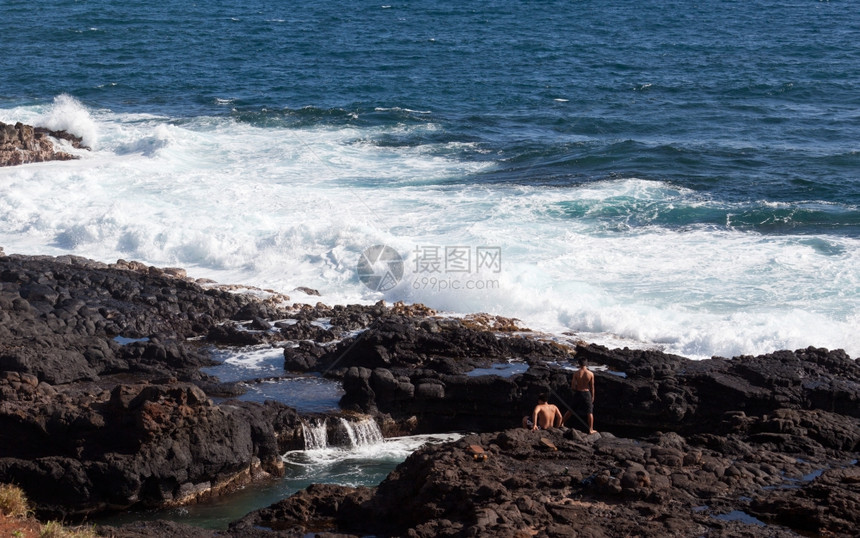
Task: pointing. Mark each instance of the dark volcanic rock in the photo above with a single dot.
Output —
(446, 346)
(145, 529)
(102, 406)
(661, 392)
(59, 319)
(142, 443)
(412, 369)
(773, 437)
(318, 508)
(94, 413)
(22, 144)
(828, 503)
(588, 485)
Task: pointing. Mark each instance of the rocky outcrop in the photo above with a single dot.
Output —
(79, 449)
(101, 405)
(445, 346)
(754, 446)
(414, 371)
(22, 144)
(563, 483)
(651, 390)
(68, 319)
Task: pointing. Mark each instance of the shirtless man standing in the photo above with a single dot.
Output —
(582, 384)
(544, 416)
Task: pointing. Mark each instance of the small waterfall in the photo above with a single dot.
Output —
(315, 435)
(362, 432)
(344, 433)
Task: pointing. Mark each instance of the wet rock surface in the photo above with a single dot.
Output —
(22, 144)
(103, 406)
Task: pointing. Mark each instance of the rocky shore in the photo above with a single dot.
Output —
(22, 144)
(103, 407)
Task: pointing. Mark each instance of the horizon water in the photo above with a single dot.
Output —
(678, 177)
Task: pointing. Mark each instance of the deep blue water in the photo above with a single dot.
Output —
(750, 100)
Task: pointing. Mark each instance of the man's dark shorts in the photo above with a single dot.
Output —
(582, 402)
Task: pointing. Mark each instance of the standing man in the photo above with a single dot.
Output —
(582, 384)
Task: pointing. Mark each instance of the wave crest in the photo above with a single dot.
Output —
(68, 114)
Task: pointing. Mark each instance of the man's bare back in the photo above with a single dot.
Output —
(546, 416)
(583, 379)
(582, 382)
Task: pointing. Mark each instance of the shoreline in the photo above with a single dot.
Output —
(121, 414)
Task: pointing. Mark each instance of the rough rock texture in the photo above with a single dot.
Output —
(596, 485)
(22, 144)
(80, 449)
(101, 405)
(662, 391)
(409, 370)
(752, 446)
(60, 319)
(441, 345)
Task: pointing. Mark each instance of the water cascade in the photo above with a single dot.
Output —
(341, 433)
(315, 435)
(362, 432)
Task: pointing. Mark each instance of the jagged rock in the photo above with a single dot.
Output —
(93, 415)
(22, 144)
(593, 485)
(317, 507)
(135, 444)
(644, 390)
(400, 341)
(60, 319)
(102, 406)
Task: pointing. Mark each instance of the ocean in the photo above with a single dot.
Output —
(660, 174)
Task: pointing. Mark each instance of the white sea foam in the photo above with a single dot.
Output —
(391, 449)
(281, 208)
(258, 359)
(67, 114)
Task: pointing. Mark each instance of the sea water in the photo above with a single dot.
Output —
(668, 175)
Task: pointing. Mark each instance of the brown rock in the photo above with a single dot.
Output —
(22, 144)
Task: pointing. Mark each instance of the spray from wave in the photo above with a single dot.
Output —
(68, 114)
(628, 261)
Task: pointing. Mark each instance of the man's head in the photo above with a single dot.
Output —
(582, 361)
(542, 398)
